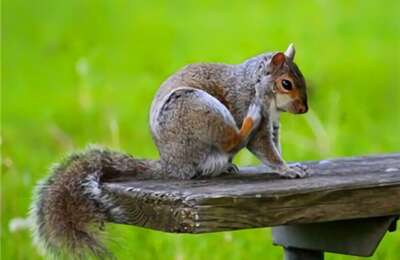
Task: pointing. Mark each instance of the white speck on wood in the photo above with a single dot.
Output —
(324, 162)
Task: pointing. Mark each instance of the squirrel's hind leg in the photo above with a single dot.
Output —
(187, 130)
(196, 134)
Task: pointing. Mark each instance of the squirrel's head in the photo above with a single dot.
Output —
(290, 93)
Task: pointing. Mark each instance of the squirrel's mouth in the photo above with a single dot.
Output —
(297, 107)
(294, 108)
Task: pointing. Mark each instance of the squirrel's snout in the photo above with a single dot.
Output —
(300, 107)
(303, 109)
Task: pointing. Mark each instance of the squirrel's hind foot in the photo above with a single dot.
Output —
(231, 168)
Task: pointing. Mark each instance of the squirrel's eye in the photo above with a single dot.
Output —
(287, 85)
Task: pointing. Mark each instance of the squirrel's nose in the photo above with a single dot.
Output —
(301, 107)
(304, 109)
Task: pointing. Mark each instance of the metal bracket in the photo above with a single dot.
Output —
(359, 237)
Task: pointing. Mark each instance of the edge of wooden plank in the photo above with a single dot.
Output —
(181, 212)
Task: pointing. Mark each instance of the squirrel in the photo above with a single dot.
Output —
(200, 118)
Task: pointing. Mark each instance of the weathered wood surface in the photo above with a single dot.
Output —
(338, 189)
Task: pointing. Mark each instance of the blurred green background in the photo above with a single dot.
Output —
(84, 71)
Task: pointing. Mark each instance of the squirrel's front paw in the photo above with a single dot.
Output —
(294, 171)
(301, 167)
(254, 113)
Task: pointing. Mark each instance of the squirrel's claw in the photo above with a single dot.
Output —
(301, 167)
(294, 171)
(231, 168)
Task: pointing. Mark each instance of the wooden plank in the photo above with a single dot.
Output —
(338, 189)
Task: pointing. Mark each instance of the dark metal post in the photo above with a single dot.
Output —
(358, 237)
(292, 253)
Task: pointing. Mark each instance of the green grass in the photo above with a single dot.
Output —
(84, 71)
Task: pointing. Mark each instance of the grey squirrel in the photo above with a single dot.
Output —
(200, 118)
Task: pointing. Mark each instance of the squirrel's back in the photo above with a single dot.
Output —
(213, 78)
(219, 80)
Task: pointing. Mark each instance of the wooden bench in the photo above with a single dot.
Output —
(345, 206)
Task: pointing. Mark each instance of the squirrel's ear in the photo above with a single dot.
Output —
(290, 51)
(278, 59)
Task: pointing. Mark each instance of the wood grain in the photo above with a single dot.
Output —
(338, 189)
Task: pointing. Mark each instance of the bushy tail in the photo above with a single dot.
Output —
(70, 208)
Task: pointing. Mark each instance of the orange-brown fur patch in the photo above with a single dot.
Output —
(246, 127)
(231, 139)
(294, 94)
(234, 138)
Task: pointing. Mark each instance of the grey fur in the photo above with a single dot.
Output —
(196, 121)
(69, 209)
